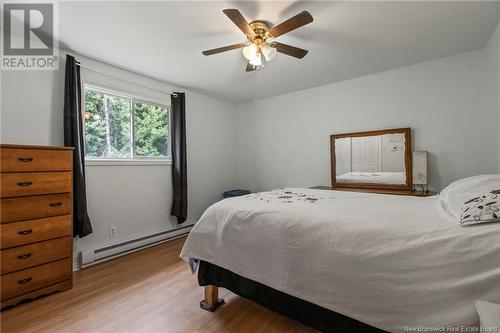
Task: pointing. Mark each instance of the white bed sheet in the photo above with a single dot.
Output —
(373, 177)
(388, 261)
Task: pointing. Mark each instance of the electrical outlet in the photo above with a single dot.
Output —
(112, 231)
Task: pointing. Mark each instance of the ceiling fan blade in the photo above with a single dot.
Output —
(238, 19)
(293, 23)
(250, 67)
(223, 49)
(290, 50)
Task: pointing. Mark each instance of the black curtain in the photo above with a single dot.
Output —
(73, 137)
(179, 160)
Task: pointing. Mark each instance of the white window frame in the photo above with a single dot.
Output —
(134, 159)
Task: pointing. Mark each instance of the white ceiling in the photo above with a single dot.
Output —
(164, 40)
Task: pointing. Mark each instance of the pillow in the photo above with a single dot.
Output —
(454, 196)
(482, 209)
(489, 313)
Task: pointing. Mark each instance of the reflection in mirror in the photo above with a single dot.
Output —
(378, 159)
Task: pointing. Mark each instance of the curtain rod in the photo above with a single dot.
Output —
(125, 80)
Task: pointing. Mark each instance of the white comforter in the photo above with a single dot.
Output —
(388, 261)
(373, 177)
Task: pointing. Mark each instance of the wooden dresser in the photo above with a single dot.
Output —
(35, 220)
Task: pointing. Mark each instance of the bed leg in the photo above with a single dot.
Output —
(212, 300)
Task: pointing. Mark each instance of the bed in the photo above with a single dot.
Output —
(372, 177)
(370, 261)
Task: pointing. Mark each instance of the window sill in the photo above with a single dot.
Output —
(128, 162)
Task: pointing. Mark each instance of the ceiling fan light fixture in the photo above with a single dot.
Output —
(268, 52)
(258, 34)
(257, 60)
(250, 51)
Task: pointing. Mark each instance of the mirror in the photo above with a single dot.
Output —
(375, 159)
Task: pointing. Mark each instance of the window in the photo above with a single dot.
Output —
(124, 127)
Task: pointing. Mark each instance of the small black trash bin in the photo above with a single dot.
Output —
(235, 193)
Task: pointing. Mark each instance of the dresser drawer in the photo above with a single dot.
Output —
(27, 159)
(19, 209)
(34, 183)
(30, 279)
(22, 257)
(26, 232)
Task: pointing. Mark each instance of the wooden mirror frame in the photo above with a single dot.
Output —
(369, 186)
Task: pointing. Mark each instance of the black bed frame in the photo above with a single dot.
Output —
(295, 308)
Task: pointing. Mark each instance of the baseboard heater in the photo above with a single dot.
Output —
(95, 256)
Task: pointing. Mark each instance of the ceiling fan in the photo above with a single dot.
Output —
(259, 33)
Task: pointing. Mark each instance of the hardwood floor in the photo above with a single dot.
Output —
(147, 291)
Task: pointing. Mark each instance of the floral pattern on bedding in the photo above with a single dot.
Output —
(285, 196)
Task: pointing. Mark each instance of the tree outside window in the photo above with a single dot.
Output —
(122, 127)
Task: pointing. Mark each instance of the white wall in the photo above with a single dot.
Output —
(493, 56)
(392, 160)
(284, 140)
(136, 199)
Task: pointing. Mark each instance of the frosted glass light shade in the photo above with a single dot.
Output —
(269, 52)
(250, 51)
(257, 60)
(420, 168)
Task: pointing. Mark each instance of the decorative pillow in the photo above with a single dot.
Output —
(452, 198)
(482, 209)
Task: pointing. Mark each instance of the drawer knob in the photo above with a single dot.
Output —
(55, 204)
(25, 159)
(24, 256)
(23, 184)
(25, 232)
(24, 281)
